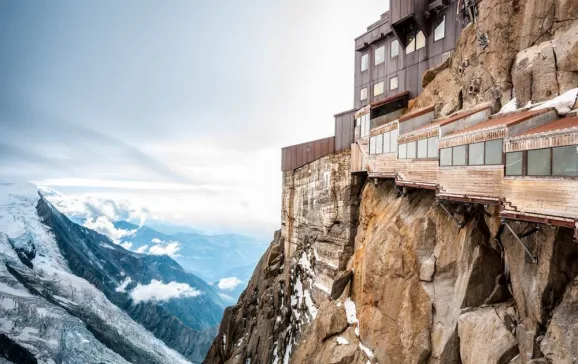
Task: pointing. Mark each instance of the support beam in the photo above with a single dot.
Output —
(534, 259)
(458, 223)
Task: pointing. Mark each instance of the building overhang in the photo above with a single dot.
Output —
(410, 24)
(389, 105)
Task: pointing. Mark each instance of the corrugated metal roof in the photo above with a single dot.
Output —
(452, 118)
(556, 125)
(508, 120)
(416, 113)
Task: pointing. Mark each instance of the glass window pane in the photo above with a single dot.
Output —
(367, 124)
(363, 94)
(393, 140)
(514, 164)
(402, 153)
(446, 157)
(459, 155)
(379, 144)
(565, 161)
(378, 89)
(539, 162)
(364, 62)
(494, 151)
(411, 150)
(440, 30)
(422, 148)
(476, 154)
(393, 83)
(432, 147)
(410, 43)
(372, 145)
(420, 40)
(394, 48)
(380, 55)
(386, 143)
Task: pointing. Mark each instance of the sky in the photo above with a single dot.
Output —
(180, 107)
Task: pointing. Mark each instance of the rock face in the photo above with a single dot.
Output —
(413, 286)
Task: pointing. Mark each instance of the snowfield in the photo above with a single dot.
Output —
(49, 311)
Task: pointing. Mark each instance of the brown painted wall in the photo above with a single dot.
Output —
(298, 155)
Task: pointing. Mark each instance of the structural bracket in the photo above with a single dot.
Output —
(519, 239)
(458, 223)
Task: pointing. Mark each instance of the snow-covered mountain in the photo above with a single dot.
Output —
(71, 295)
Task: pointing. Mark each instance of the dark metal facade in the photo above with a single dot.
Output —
(408, 68)
(344, 130)
(299, 155)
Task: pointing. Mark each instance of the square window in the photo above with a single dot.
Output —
(565, 161)
(394, 51)
(494, 154)
(380, 55)
(440, 29)
(411, 150)
(459, 155)
(422, 148)
(432, 147)
(410, 41)
(393, 83)
(539, 162)
(402, 152)
(393, 147)
(446, 157)
(378, 88)
(363, 94)
(476, 154)
(419, 40)
(387, 143)
(364, 62)
(514, 164)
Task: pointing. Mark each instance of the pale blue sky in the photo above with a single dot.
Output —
(181, 106)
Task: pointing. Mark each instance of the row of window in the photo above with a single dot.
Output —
(420, 149)
(378, 88)
(560, 161)
(475, 154)
(415, 41)
(383, 143)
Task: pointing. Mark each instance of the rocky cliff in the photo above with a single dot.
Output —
(363, 273)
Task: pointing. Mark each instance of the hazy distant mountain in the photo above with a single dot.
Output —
(212, 257)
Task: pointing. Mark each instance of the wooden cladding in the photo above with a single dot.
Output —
(480, 136)
(533, 142)
(344, 130)
(299, 155)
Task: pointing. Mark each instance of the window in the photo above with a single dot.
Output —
(459, 155)
(393, 83)
(494, 152)
(364, 125)
(380, 55)
(393, 147)
(419, 40)
(422, 148)
(394, 52)
(387, 143)
(364, 62)
(378, 88)
(402, 151)
(440, 29)
(539, 162)
(476, 154)
(411, 150)
(432, 147)
(446, 157)
(372, 145)
(410, 41)
(363, 94)
(379, 144)
(565, 161)
(514, 164)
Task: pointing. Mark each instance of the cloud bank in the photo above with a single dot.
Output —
(159, 291)
(229, 283)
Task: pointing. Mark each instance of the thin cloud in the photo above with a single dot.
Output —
(159, 291)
